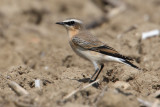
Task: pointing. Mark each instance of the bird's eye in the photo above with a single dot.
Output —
(72, 22)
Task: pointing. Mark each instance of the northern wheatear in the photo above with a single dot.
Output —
(89, 47)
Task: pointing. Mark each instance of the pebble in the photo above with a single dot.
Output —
(122, 84)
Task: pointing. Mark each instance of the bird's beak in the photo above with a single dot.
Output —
(60, 23)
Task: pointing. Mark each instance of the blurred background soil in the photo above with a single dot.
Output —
(33, 47)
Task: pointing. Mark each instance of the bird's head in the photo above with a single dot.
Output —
(72, 24)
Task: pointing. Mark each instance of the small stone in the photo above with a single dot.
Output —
(46, 67)
(122, 84)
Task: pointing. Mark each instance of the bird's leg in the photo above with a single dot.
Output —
(94, 74)
(99, 71)
(96, 70)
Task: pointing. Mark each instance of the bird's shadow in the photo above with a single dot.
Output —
(85, 80)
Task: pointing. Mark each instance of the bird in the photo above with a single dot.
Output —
(91, 48)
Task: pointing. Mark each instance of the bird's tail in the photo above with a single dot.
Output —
(130, 64)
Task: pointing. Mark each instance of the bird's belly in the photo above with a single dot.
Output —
(90, 55)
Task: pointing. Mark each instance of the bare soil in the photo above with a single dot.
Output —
(33, 47)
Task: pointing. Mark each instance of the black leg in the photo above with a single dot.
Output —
(94, 74)
(102, 65)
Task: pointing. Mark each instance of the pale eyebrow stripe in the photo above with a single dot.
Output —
(73, 20)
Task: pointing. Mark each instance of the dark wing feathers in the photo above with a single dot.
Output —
(132, 65)
(109, 51)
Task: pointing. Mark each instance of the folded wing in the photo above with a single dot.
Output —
(98, 46)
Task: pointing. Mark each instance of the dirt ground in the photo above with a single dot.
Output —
(33, 47)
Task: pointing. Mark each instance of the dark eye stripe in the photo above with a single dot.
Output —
(70, 23)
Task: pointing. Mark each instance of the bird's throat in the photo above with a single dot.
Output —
(72, 33)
